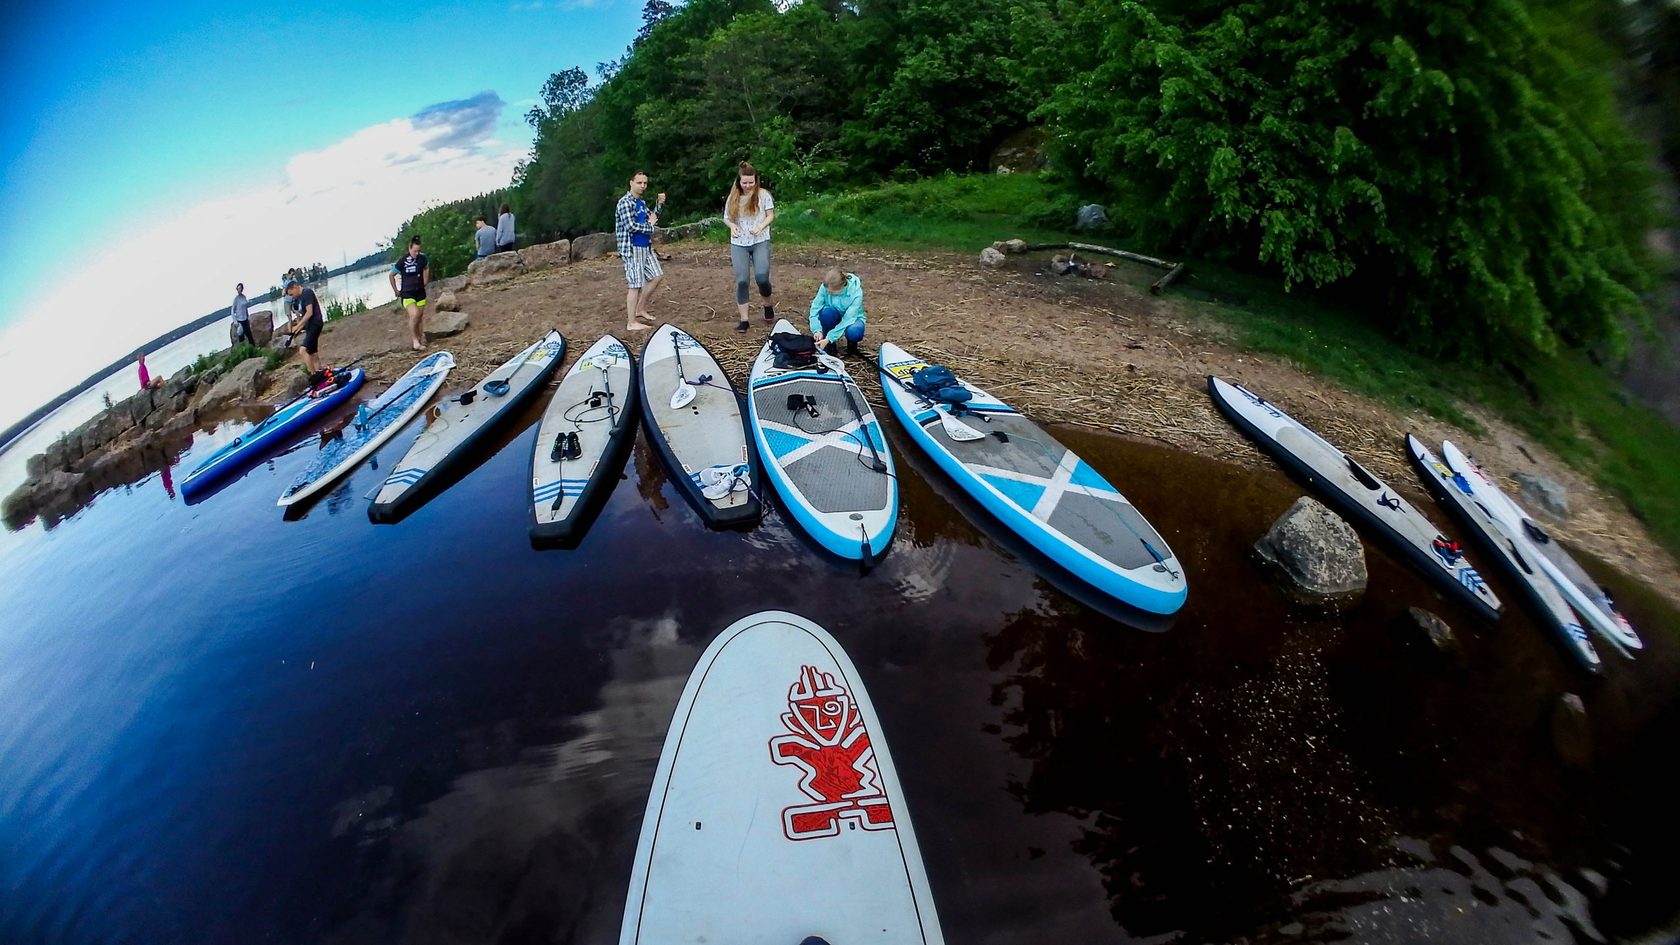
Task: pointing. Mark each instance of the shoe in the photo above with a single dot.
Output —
(769, 313)
(851, 348)
(742, 326)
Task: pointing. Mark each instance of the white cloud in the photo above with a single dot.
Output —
(328, 204)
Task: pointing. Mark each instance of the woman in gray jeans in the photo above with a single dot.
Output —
(749, 212)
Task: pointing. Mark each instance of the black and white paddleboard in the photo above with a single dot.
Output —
(1356, 493)
(581, 440)
(776, 813)
(1520, 566)
(455, 425)
(695, 421)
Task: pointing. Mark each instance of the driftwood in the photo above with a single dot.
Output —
(1175, 270)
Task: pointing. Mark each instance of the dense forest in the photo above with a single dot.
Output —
(1471, 174)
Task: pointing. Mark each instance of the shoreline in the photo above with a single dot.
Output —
(1095, 353)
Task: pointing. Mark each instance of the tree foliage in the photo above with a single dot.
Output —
(446, 232)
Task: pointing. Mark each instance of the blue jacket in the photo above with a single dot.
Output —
(848, 300)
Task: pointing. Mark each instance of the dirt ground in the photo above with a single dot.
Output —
(1098, 353)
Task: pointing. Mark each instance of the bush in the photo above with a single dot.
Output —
(344, 308)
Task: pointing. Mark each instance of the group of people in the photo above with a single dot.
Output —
(836, 312)
(489, 240)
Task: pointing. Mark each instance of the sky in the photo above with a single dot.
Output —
(152, 156)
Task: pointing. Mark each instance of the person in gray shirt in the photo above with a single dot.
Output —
(504, 230)
(485, 238)
(241, 316)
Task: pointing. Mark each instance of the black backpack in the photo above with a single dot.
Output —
(793, 350)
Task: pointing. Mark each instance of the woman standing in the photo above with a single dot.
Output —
(749, 211)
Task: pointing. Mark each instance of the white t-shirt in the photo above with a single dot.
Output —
(750, 221)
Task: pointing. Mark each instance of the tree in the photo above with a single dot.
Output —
(564, 92)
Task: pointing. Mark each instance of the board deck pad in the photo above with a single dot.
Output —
(776, 812)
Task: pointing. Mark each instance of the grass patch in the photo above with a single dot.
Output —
(344, 308)
(244, 351)
(1565, 403)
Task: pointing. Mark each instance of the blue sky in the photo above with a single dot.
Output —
(176, 138)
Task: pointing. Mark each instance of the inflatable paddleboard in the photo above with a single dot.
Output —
(581, 440)
(1521, 567)
(454, 426)
(1356, 493)
(694, 419)
(375, 423)
(1039, 488)
(776, 812)
(823, 449)
(274, 431)
(1584, 594)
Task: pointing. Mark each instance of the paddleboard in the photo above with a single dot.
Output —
(1356, 493)
(455, 425)
(375, 423)
(1584, 594)
(822, 448)
(693, 417)
(274, 431)
(776, 812)
(595, 404)
(1521, 567)
(1039, 488)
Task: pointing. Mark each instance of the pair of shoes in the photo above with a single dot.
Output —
(742, 326)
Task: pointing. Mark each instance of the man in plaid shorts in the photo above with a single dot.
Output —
(633, 225)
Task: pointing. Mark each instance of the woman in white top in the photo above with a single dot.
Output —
(749, 212)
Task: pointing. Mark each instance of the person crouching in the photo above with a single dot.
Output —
(837, 311)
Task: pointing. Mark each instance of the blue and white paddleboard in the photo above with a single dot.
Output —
(822, 448)
(776, 812)
(584, 432)
(1356, 493)
(375, 423)
(1584, 594)
(1040, 489)
(270, 434)
(1521, 566)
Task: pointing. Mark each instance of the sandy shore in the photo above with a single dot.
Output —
(1098, 353)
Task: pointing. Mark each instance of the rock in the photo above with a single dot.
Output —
(296, 383)
(493, 269)
(1092, 216)
(1014, 246)
(444, 324)
(809, 213)
(1572, 732)
(1060, 264)
(182, 380)
(547, 255)
(991, 258)
(240, 384)
(593, 245)
(35, 466)
(1544, 494)
(1002, 170)
(1021, 151)
(1317, 552)
(262, 327)
(444, 301)
(138, 406)
(451, 284)
(180, 425)
(1426, 631)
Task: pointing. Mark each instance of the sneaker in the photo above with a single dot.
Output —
(769, 313)
(851, 348)
(742, 326)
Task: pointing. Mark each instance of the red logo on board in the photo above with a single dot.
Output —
(829, 746)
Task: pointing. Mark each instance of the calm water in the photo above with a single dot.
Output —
(221, 726)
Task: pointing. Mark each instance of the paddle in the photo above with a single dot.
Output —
(497, 386)
(954, 428)
(839, 367)
(684, 394)
(262, 424)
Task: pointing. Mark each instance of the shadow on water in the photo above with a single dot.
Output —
(432, 733)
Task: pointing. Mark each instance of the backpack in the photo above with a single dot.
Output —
(793, 350)
(936, 382)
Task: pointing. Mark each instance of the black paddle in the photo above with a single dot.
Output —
(868, 440)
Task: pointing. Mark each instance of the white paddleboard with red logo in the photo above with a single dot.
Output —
(776, 813)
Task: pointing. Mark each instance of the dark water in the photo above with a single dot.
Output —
(219, 726)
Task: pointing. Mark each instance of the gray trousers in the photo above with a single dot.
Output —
(757, 257)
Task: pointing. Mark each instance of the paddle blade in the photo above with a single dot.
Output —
(958, 430)
(682, 396)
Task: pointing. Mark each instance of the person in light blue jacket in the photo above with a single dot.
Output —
(837, 311)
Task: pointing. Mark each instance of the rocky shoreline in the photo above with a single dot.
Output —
(1100, 353)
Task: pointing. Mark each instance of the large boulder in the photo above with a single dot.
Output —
(1092, 216)
(493, 269)
(991, 258)
(444, 324)
(239, 384)
(593, 245)
(1317, 554)
(547, 255)
(1545, 494)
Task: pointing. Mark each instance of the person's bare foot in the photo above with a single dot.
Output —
(646, 317)
(636, 326)
(417, 346)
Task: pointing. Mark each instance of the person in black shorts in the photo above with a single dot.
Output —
(309, 322)
(413, 271)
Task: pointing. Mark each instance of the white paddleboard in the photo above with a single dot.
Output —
(776, 812)
(581, 438)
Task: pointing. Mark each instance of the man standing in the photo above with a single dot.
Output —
(504, 230)
(241, 316)
(633, 225)
(309, 321)
(414, 271)
(484, 237)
